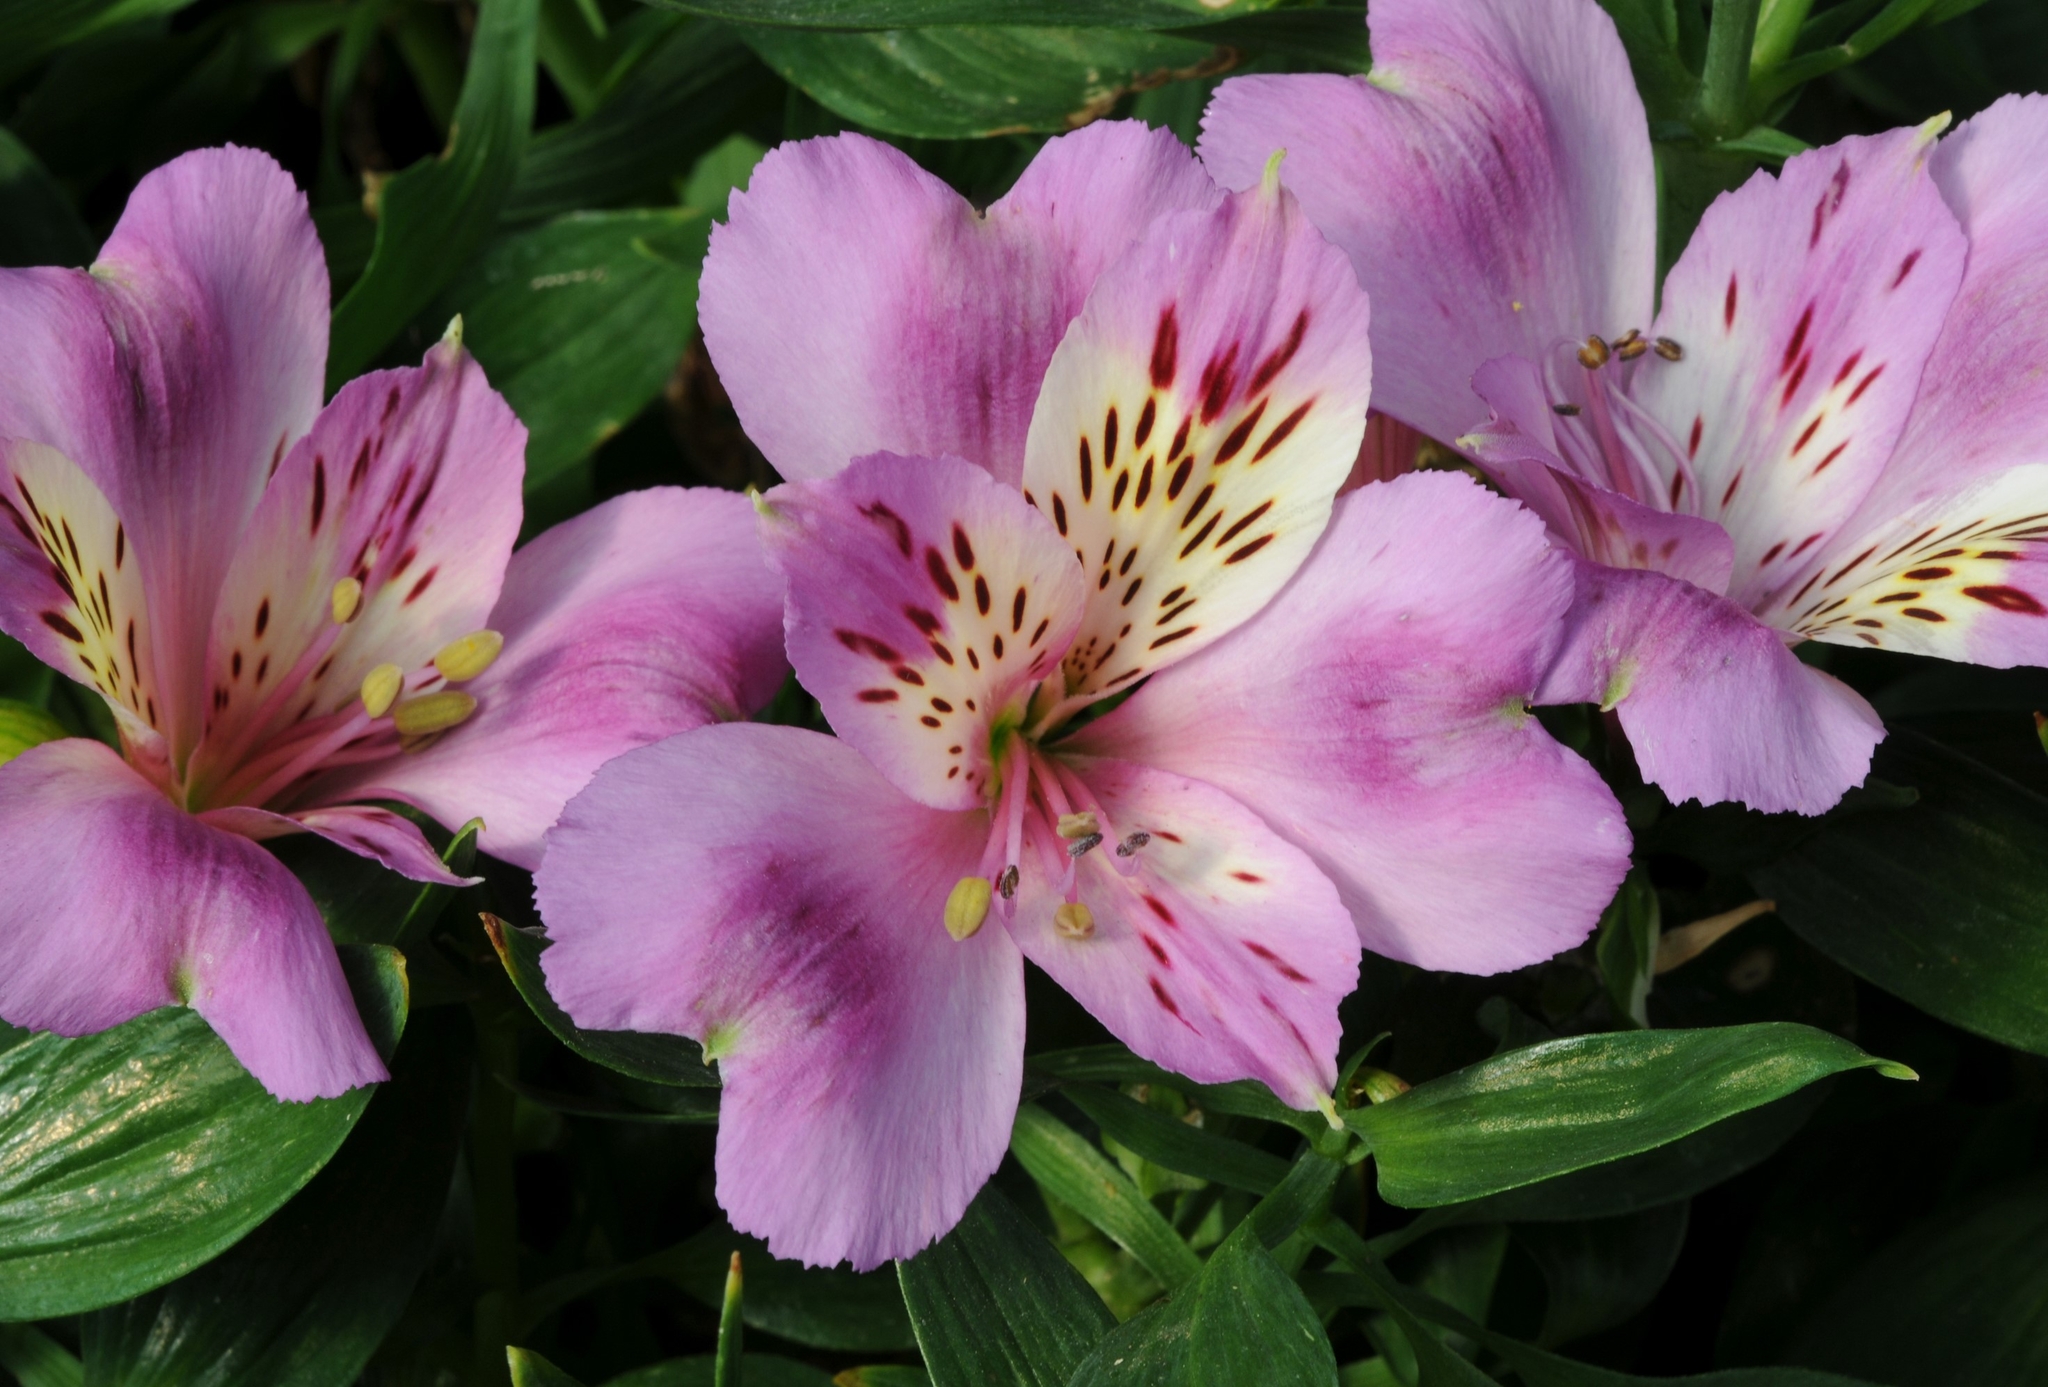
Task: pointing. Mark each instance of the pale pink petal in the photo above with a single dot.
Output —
(785, 905)
(386, 838)
(409, 486)
(118, 902)
(855, 304)
(70, 590)
(648, 615)
(1374, 716)
(1715, 706)
(1195, 425)
(1222, 956)
(1491, 181)
(1519, 450)
(1805, 306)
(926, 601)
(176, 373)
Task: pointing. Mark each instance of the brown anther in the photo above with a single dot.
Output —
(1593, 355)
(1632, 335)
(1568, 411)
(1006, 884)
(1081, 847)
(1669, 349)
(1630, 350)
(1130, 845)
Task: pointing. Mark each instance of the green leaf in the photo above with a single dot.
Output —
(1242, 1323)
(434, 215)
(1627, 947)
(307, 1297)
(1600, 1272)
(1960, 1301)
(1944, 904)
(968, 82)
(363, 904)
(823, 1307)
(29, 29)
(660, 119)
(660, 1059)
(1530, 1114)
(1170, 1142)
(883, 1375)
(1115, 1064)
(1081, 1177)
(529, 1369)
(908, 14)
(37, 1360)
(1327, 38)
(762, 1370)
(23, 725)
(129, 1157)
(38, 225)
(995, 1305)
(579, 322)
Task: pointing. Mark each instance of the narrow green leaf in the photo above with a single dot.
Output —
(38, 225)
(1241, 1323)
(23, 725)
(1084, 1179)
(37, 1360)
(1329, 37)
(1115, 1064)
(762, 1370)
(725, 1371)
(306, 1298)
(31, 29)
(1533, 1113)
(1170, 1142)
(995, 1305)
(661, 1059)
(1601, 1271)
(129, 1157)
(969, 82)
(529, 1369)
(579, 322)
(1944, 904)
(433, 215)
(910, 14)
(1627, 947)
(883, 1375)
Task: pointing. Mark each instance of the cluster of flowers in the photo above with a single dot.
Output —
(1131, 675)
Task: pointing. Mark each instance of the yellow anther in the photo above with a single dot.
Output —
(1074, 920)
(345, 599)
(1078, 825)
(967, 906)
(381, 687)
(469, 656)
(434, 712)
(1593, 355)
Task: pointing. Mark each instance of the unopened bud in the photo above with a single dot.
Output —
(1074, 921)
(1377, 1085)
(967, 906)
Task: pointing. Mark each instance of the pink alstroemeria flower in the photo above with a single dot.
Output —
(1828, 431)
(293, 610)
(1039, 457)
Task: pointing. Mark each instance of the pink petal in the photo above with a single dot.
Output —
(1195, 425)
(1806, 305)
(1390, 450)
(926, 601)
(1518, 448)
(120, 903)
(649, 615)
(1223, 956)
(408, 484)
(70, 590)
(785, 905)
(392, 840)
(1714, 704)
(1373, 716)
(176, 373)
(856, 304)
(1491, 181)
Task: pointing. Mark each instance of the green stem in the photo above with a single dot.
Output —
(496, 1201)
(1777, 32)
(1724, 86)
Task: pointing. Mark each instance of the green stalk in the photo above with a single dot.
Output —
(725, 1371)
(1777, 32)
(1724, 85)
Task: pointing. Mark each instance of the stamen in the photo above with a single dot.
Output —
(1565, 411)
(381, 687)
(467, 657)
(345, 599)
(967, 906)
(1129, 846)
(1078, 825)
(1006, 884)
(1593, 355)
(1631, 349)
(1074, 921)
(1669, 349)
(434, 712)
(1083, 847)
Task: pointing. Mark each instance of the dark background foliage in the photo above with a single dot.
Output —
(549, 169)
